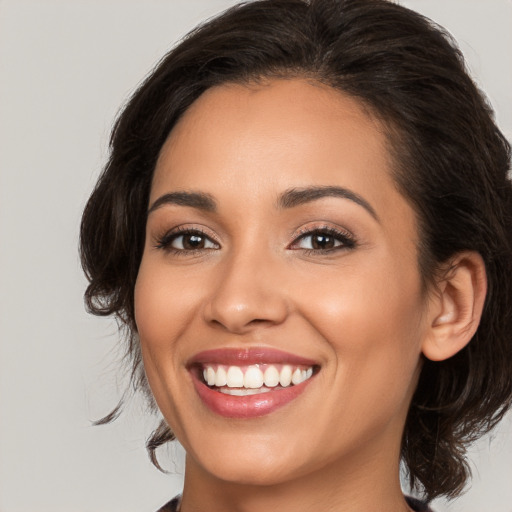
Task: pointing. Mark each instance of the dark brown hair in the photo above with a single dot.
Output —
(450, 162)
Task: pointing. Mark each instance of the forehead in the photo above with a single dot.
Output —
(265, 138)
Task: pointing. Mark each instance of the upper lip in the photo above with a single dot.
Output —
(248, 356)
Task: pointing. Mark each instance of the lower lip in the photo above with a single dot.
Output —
(251, 406)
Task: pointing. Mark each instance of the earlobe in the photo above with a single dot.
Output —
(457, 307)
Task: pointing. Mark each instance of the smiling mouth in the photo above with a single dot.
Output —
(249, 382)
(255, 378)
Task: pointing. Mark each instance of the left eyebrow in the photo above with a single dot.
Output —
(298, 196)
(197, 200)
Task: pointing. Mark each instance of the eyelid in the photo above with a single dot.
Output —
(163, 241)
(346, 237)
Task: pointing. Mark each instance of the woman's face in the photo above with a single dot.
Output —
(278, 247)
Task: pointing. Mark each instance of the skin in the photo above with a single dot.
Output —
(359, 310)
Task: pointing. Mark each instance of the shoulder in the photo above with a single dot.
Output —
(171, 506)
(417, 506)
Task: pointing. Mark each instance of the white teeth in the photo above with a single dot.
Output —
(235, 377)
(220, 377)
(210, 376)
(285, 378)
(271, 377)
(243, 391)
(252, 379)
(296, 377)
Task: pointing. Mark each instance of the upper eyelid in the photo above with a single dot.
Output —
(167, 236)
(297, 234)
(186, 228)
(307, 231)
(346, 237)
(185, 232)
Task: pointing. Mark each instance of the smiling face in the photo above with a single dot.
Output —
(279, 248)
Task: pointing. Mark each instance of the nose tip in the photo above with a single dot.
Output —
(240, 318)
(243, 300)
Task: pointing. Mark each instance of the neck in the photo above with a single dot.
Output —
(368, 483)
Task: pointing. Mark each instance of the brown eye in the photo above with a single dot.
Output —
(324, 240)
(191, 242)
(187, 241)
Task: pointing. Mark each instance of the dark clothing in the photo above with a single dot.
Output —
(172, 506)
(415, 504)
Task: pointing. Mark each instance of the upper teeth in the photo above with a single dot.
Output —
(255, 376)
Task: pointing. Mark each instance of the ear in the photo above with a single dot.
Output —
(457, 306)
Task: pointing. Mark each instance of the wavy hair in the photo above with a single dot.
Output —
(450, 160)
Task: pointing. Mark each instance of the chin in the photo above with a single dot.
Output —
(250, 463)
(251, 473)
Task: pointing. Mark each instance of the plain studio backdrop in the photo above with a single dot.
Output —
(65, 69)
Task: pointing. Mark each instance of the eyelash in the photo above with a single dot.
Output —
(164, 242)
(347, 240)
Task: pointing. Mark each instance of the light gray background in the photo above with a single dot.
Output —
(65, 68)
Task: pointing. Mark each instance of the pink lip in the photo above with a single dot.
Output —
(251, 406)
(253, 355)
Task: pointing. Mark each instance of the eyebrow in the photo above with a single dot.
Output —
(288, 199)
(198, 200)
(298, 196)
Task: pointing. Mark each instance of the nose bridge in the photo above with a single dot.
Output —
(247, 290)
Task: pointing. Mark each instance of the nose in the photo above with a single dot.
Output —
(247, 293)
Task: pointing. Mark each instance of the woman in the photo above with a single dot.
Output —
(306, 226)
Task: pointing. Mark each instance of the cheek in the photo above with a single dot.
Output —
(374, 334)
(151, 299)
(371, 319)
(163, 312)
(163, 306)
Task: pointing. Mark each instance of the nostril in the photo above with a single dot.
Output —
(238, 308)
(241, 327)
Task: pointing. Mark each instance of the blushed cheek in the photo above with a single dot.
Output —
(165, 306)
(146, 307)
(357, 315)
(154, 306)
(156, 339)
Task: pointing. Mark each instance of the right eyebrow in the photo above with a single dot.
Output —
(296, 196)
(197, 200)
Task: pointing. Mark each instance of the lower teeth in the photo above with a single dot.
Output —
(245, 391)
